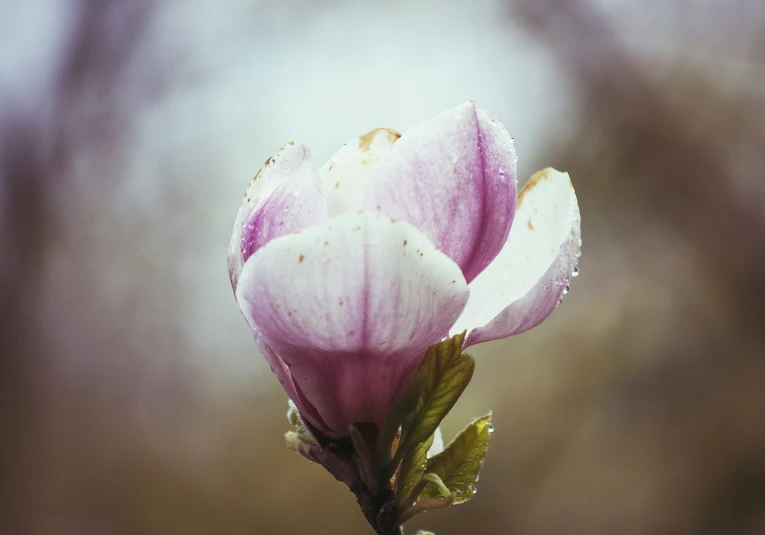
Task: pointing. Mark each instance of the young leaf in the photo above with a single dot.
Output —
(443, 375)
(459, 464)
(295, 419)
(412, 469)
(426, 504)
(389, 434)
(299, 445)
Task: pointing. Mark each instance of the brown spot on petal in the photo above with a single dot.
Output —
(331, 166)
(352, 333)
(544, 174)
(326, 243)
(531, 227)
(289, 313)
(365, 141)
(341, 302)
(337, 184)
(291, 143)
(405, 242)
(301, 258)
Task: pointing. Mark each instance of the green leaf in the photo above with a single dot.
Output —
(426, 504)
(459, 464)
(412, 469)
(403, 404)
(442, 377)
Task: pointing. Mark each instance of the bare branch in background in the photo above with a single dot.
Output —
(660, 150)
(668, 137)
(34, 159)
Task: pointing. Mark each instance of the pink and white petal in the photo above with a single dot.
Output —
(282, 373)
(530, 275)
(454, 178)
(344, 176)
(284, 197)
(351, 305)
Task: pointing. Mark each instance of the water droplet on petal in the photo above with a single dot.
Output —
(491, 429)
(566, 290)
(575, 273)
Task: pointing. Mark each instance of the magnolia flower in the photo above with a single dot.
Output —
(348, 273)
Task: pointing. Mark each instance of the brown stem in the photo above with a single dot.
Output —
(378, 508)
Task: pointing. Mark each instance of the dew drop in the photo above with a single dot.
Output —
(491, 429)
(575, 273)
(566, 290)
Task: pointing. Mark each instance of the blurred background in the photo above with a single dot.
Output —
(133, 400)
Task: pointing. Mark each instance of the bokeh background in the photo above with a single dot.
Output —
(133, 398)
